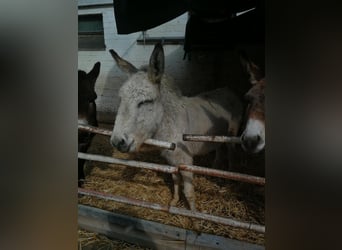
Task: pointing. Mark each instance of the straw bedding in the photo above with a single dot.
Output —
(215, 196)
(94, 241)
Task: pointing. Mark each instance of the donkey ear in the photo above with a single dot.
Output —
(94, 73)
(156, 66)
(124, 65)
(244, 59)
(253, 70)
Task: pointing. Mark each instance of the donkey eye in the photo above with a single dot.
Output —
(144, 102)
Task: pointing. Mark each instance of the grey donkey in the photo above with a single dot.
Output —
(152, 106)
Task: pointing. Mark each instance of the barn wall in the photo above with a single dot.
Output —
(205, 70)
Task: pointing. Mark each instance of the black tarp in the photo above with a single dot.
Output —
(138, 15)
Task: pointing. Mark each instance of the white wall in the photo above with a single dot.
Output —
(205, 71)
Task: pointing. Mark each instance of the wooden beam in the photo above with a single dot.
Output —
(152, 234)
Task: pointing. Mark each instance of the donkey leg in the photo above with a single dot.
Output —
(221, 158)
(230, 153)
(175, 158)
(189, 191)
(170, 156)
(233, 131)
(176, 181)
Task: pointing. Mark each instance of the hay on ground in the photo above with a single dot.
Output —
(214, 196)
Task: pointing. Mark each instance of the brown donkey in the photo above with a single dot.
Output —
(253, 137)
(86, 112)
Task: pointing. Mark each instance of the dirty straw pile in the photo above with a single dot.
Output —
(215, 196)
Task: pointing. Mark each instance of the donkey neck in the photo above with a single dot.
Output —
(173, 105)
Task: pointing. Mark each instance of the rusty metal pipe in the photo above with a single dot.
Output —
(152, 142)
(211, 138)
(161, 144)
(171, 169)
(223, 174)
(217, 219)
(175, 210)
(130, 163)
(123, 199)
(94, 130)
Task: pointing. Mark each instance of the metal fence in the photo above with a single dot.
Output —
(173, 169)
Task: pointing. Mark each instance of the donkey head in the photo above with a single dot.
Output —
(87, 95)
(253, 137)
(140, 111)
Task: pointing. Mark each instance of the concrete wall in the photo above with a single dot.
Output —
(205, 71)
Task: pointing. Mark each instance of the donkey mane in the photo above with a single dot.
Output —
(167, 83)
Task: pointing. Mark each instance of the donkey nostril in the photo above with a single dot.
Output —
(258, 138)
(122, 142)
(117, 142)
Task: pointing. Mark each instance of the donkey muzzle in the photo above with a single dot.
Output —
(250, 143)
(121, 143)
